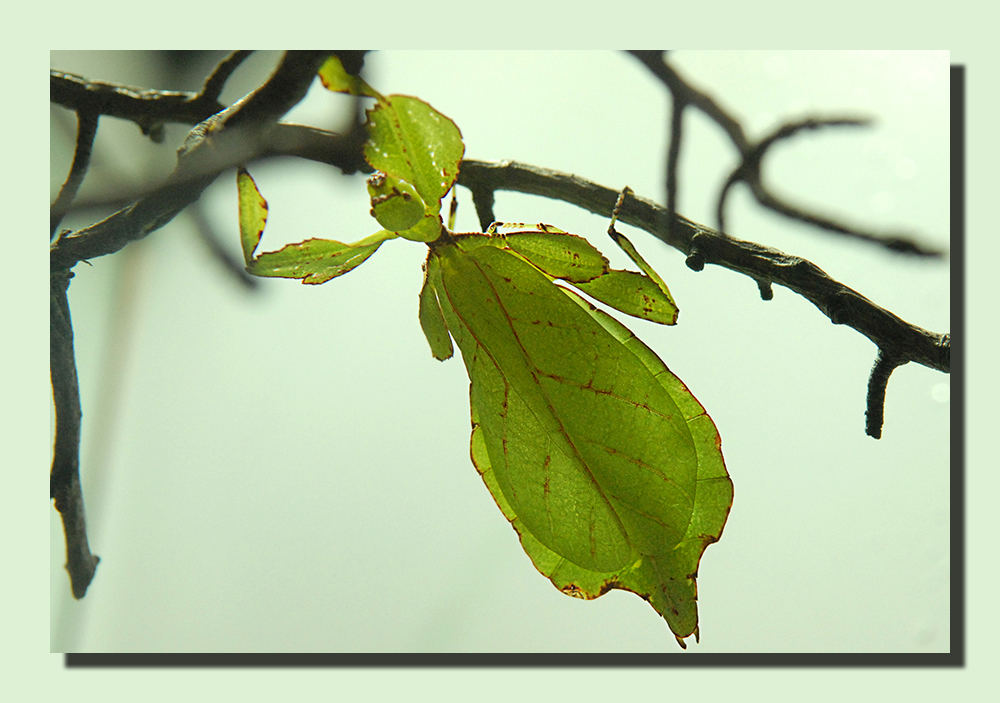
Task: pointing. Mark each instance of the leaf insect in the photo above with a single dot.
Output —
(608, 468)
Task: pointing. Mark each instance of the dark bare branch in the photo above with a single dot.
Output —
(877, 382)
(85, 132)
(227, 139)
(837, 301)
(198, 164)
(751, 153)
(216, 80)
(64, 479)
(143, 106)
(673, 156)
(678, 87)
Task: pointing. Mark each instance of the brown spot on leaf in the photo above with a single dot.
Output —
(609, 585)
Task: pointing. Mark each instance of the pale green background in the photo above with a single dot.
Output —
(289, 471)
(965, 27)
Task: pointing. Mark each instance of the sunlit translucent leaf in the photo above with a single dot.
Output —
(335, 78)
(601, 459)
(411, 141)
(252, 213)
(317, 260)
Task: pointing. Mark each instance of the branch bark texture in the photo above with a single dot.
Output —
(751, 153)
(64, 480)
(843, 305)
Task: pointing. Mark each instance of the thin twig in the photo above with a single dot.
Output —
(286, 86)
(750, 173)
(877, 382)
(483, 200)
(673, 156)
(748, 170)
(64, 480)
(285, 140)
(86, 130)
(214, 145)
(146, 107)
(211, 89)
(653, 60)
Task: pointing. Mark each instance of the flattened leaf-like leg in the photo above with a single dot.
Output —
(632, 293)
(317, 260)
(623, 242)
(431, 320)
(252, 213)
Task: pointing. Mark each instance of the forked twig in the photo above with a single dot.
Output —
(751, 153)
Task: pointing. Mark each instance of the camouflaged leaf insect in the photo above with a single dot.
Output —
(605, 464)
(599, 457)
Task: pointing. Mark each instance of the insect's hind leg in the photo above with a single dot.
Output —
(625, 245)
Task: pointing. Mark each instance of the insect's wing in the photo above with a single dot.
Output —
(667, 581)
(596, 453)
(588, 449)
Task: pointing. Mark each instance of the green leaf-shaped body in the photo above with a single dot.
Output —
(591, 448)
